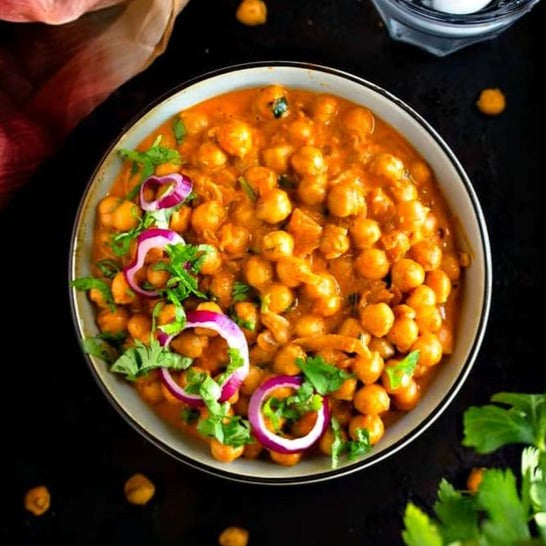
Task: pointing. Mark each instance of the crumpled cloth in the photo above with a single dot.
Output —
(52, 76)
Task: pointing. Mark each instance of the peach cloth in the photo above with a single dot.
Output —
(51, 76)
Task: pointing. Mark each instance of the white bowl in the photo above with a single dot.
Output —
(456, 188)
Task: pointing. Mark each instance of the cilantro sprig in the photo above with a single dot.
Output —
(279, 107)
(242, 292)
(179, 130)
(405, 367)
(498, 514)
(324, 377)
(353, 448)
(89, 283)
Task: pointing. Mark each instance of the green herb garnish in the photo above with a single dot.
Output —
(324, 377)
(241, 292)
(179, 130)
(279, 107)
(245, 186)
(89, 283)
(121, 242)
(190, 415)
(404, 368)
(108, 268)
(353, 448)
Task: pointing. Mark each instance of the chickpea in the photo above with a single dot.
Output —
(324, 108)
(113, 322)
(149, 388)
(310, 326)
(422, 295)
(251, 13)
(304, 424)
(278, 157)
(284, 362)
(97, 297)
(372, 263)
(235, 137)
(121, 291)
(372, 400)
(430, 349)
(451, 266)
(139, 327)
(234, 239)
(312, 189)
(258, 272)
(156, 275)
(293, 271)
(308, 161)
(404, 311)
(261, 179)
(253, 450)
(38, 500)
(328, 307)
(382, 346)
(430, 226)
(327, 440)
(403, 333)
(139, 489)
(388, 166)
(492, 102)
(420, 172)
(277, 298)
(404, 191)
(180, 219)
(236, 536)
(253, 380)
(321, 286)
(346, 391)
(445, 336)
(475, 479)
(381, 206)
(429, 318)
(377, 318)
(224, 453)
(372, 423)
(106, 208)
(300, 132)
(427, 253)
(285, 459)
(190, 344)
(346, 199)
(212, 261)
(407, 398)
(350, 327)
(368, 368)
(411, 215)
(396, 243)
(274, 206)
(210, 155)
(365, 232)
(407, 274)
(359, 121)
(248, 314)
(167, 314)
(277, 245)
(265, 100)
(126, 216)
(440, 283)
(208, 216)
(194, 122)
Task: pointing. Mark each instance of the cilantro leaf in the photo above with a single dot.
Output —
(190, 415)
(360, 446)
(100, 348)
(489, 427)
(108, 268)
(353, 448)
(498, 497)
(404, 367)
(338, 445)
(241, 292)
(179, 321)
(121, 242)
(247, 188)
(457, 514)
(324, 377)
(420, 529)
(179, 130)
(141, 359)
(533, 486)
(279, 107)
(89, 283)
(228, 430)
(235, 362)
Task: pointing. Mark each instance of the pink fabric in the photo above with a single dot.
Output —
(53, 76)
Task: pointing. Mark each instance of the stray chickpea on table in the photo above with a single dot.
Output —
(252, 13)
(37, 500)
(139, 489)
(233, 536)
(492, 102)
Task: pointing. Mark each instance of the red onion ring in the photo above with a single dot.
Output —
(235, 340)
(271, 440)
(148, 239)
(181, 188)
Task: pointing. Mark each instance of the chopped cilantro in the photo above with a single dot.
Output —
(241, 292)
(245, 186)
(100, 348)
(179, 130)
(90, 283)
(324, 377)
(353, 448)
(279, 107)
(121, 242)
(403, 368)
(190, 415)
(108, 268)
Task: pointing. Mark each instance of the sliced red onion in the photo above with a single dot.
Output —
(235, 340)
(148, 239)
(271, 440)
(181, 188)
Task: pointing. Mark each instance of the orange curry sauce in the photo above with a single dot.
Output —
(343, 237)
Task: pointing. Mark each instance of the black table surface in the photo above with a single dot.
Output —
(58, 428)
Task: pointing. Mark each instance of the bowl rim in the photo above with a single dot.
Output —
(450, 394)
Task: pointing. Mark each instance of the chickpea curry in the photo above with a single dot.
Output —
(277, 273)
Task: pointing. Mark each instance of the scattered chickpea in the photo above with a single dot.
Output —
(139, 489)
(492, 102)
(233, 536)
(377, 318)
(475, 479)
(274, 206)
(37, 500)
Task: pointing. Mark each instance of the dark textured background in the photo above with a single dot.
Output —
(58, 428)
